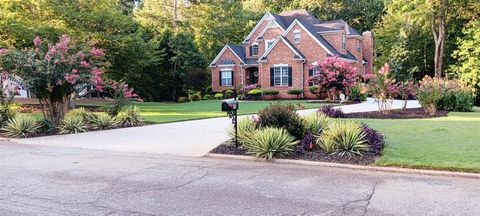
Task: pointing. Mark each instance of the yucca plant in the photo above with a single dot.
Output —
(103, 121)
(130, 117)
(73, 124)
(21, 126)
(344, 138)
(245, 129)
(315, 123)
(270, 143)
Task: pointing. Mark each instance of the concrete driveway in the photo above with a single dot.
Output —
(189, 138)
(42, 180)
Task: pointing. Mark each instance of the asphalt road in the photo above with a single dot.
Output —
(43, 180)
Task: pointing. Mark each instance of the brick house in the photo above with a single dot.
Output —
(278, 52)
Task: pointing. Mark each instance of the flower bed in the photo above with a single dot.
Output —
(417, 113)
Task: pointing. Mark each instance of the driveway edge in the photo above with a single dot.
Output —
(353, 167)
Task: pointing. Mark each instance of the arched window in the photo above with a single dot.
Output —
(254, 49)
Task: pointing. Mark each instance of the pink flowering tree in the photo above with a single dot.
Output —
(53, 70)
(406, 90)
(334, 75)
(383, 89)
(121, 94)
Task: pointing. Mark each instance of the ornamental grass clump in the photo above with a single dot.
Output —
(103, 121)
(245, 129)
(315, 123)
(269, 143)
(344, 138)
(21, 126)
(73, 124)
(130, 117)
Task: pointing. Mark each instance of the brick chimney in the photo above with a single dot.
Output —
(368, 50)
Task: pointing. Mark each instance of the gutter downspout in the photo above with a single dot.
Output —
(302, 78)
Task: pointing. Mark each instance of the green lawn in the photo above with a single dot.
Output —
(173, 112)
(447, 143)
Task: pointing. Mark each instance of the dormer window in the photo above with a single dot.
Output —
(268, 44)
(296, 36)
(255, 49)
(344, 41)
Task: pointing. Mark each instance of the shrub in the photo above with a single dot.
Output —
(331, 112)
(406, 90)
(21, 126)
(218, 96)
(459, 100)
(130, 117)
(207, 97)
(345, 137)
(182, 99)
(73, 124)
(358, 92)
(282, 116)
(255, 92)
(270, 143)
(429, 94)
(122, 95)
(80, 112)
(314, 90)
(194, 96)
(228, 93)
(271, 92)
(295, 92)
(208, 90)
(374, 139)
(245, 129)
(307, 144)
(315, 123)
(102, 121)
(247, 88)
(383, 89)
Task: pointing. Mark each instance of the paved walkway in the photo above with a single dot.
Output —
(189, 138)
(41, 180)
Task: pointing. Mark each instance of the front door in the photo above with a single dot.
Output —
(253, 78)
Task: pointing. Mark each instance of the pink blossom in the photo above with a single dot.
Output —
(97, 53)
(3, 51)
(81, 56)
(62, 46)
(97, 79)
(37, 41)
(72, 78)
(84, 64)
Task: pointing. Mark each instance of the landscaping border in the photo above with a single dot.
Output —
(353, 167)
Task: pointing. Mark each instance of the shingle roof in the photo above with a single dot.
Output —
(227, 62)
(239, 50)
(301, 15)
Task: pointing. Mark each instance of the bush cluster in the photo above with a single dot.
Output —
(331, 112)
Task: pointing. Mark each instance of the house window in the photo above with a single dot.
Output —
(227, 78)
(268, 44)
(296, 36)
(280, 76)
(344, 41)
(254, 49)
(312, 72)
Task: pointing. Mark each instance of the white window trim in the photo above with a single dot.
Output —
(296, 33)
(231, 72)
(281, 67)
(266, 44)
(258, 47)
(344, 42)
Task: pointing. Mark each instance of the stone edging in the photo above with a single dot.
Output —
(355, 167)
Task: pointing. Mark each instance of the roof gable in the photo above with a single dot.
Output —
(298, 55)
(312, 33)
(267, 16)
(269, 26)
(238, 51)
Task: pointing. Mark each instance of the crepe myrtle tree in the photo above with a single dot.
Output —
(52, 71)
(334, 74)
(122, 95)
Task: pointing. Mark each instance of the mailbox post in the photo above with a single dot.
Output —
(231, 108)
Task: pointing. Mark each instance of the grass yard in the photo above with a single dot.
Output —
(447, 143)
(173, 112)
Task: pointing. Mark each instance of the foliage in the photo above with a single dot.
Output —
(296, 92)
(429, 94)
(383, 89)
(406, 90)
(122, 95)
(218, 96)
(194, 96)
(282, 116)
(308, 143)
(182, 100)
(255, 92)
(228, 93)
(73, 124)
(52, 72)
(247, 88)
(130, 117)
(344, 138)
(102, 121)
(331, 112)
(456, 97)
(374, 139)
(270, 143)
(315, 123)
(271, 92)
(245, 129)
(45, 126)
(208, 90)
(207, 97)
(314, 90)
(80, 112)
(21, 126)
(358, 92)
(335, 74)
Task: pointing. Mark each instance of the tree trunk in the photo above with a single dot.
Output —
(438, 31)
(175, 17)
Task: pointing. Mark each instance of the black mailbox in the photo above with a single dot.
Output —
(229, 106)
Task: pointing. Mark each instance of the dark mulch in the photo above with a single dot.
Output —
(315, 155)
(417, 113)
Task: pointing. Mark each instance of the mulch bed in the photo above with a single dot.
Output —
(417, 113)
(315, 155)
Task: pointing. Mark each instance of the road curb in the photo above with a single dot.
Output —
(353, 167)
